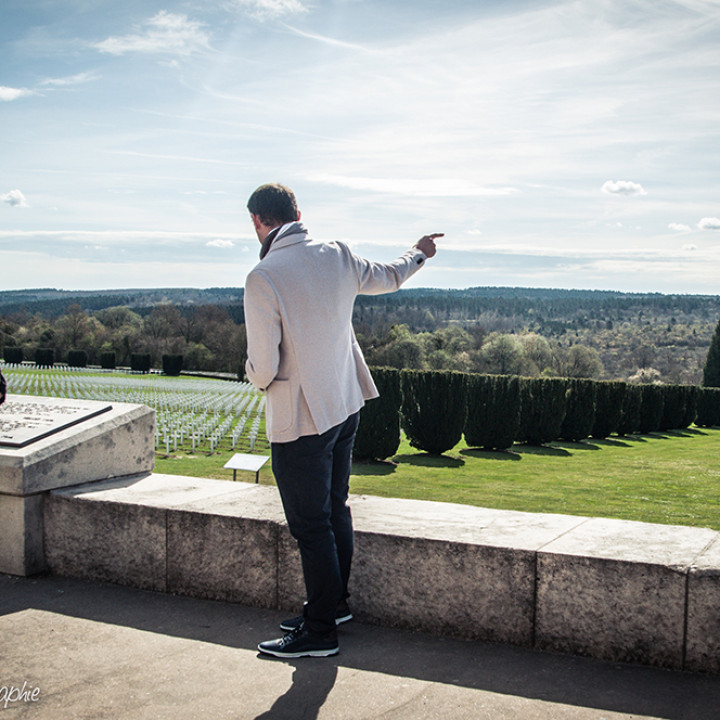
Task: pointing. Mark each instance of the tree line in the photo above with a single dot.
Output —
(207, 337)
(581, 334)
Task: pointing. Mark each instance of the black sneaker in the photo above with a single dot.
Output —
(342, 615)
(301, 643)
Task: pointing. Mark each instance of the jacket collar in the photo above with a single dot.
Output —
(282, 236)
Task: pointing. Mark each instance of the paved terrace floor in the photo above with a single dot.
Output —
(105, 651)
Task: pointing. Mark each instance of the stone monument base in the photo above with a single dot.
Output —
(51, 443)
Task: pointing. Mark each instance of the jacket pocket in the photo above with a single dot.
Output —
(279, 406)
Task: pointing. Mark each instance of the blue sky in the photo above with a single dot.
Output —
(555, 143)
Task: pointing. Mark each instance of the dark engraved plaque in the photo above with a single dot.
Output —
(25, 419)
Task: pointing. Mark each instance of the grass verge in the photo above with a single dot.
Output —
(670, 478)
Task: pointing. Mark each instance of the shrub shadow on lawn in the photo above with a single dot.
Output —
(578, 445)
(610, 442)
(659, 434)
(491, 454)
(693, 431)
(629, 438)
(428, 460)
(373, 467)
(543, 450)
(684, 432)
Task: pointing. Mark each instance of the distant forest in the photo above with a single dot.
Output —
(571, 333)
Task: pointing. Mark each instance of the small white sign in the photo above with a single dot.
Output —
(243, 461)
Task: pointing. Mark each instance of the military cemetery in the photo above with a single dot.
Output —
(78, 496)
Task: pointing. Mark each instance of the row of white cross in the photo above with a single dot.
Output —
(191, 413)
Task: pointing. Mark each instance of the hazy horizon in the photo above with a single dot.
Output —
(559, 144)
(418, 288)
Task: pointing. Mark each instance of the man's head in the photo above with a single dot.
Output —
(272, 205)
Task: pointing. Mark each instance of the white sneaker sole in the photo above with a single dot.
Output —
(307, 653)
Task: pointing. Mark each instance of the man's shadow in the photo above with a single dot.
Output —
(312, 682)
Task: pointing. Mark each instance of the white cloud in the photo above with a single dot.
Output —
(163, 33)
(220, 243)
(14, 198)
(709, 223)
(434, 187)
(78, 79)
(623, 187)
(123, 237)
(679, 227)
(7, 93)
(268, 9)
(327, 40)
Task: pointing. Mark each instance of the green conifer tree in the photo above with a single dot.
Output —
(493, 411)
(433, 409)
(711, 374)
(378, 435)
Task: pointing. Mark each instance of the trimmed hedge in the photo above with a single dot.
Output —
(77, 358)
(608, 408)
(12, 355)
(673, 407)
(433, 409)
(45, 357)
(493, 411)
(708, 407)
(172, 364)
(579, 410)
(690, 411)
(140, 362)
(542, 409)
(107, 360)
(652, 402)
(630, 416)
(549, 409)
(378, 434)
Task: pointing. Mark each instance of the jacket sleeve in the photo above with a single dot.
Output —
(263, 323)
(376, 278)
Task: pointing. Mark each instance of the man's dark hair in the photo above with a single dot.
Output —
(274, 204)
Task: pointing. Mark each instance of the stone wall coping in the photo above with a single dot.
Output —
(673, 546)
(709, 559)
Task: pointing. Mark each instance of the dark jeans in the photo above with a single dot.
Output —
(312, 474)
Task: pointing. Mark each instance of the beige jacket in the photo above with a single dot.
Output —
(301, 346)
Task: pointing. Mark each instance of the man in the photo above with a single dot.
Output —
(3, 389)
(303, 353)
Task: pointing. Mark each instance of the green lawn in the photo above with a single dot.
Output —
(671, 478)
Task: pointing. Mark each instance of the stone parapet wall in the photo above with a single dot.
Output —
(611, 589)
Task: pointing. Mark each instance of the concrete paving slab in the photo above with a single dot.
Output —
(95, 651)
